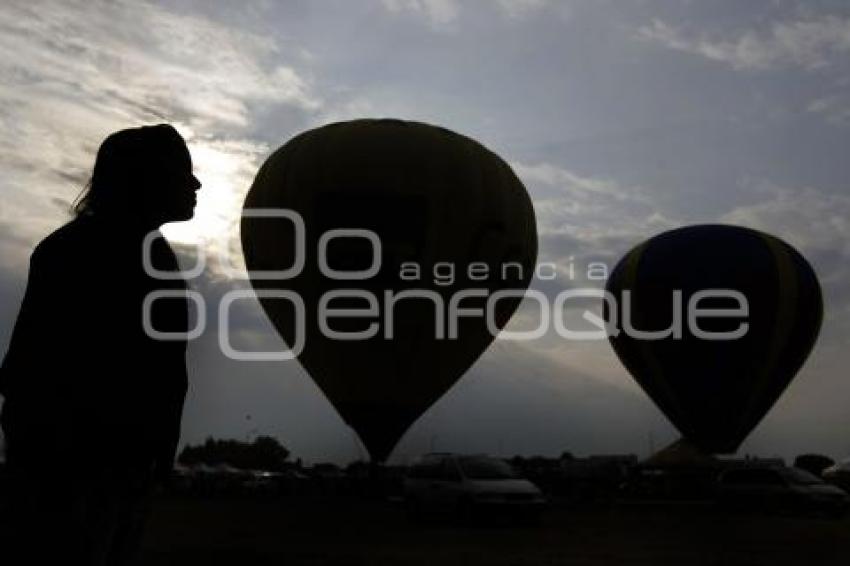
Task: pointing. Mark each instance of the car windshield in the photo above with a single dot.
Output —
(479, 468)
(801, 477)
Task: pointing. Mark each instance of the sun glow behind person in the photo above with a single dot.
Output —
(227, 169)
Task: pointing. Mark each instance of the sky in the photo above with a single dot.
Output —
(622, 119)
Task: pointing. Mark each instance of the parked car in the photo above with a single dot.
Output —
(466, 485)
(839, 474)
(262, 482)
(779, 489)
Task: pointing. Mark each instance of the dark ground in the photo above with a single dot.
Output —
(357, 531)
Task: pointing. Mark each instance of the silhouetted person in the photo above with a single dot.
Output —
(92, 403)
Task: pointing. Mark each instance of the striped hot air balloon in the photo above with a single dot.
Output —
(435, 199)
(714, 389)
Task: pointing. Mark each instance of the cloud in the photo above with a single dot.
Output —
(444, 15)
(594, 217)
(238, 82)
(518, 9)
(582, 220)
(71, 73)
(809, 44)
(834, 108)
(440, 13)
(807, 217)
(815, 222)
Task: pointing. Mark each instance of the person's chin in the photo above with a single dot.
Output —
(182, 216)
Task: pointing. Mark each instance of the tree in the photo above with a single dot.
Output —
(264, 453)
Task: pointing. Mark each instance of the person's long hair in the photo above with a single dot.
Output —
(128, 163)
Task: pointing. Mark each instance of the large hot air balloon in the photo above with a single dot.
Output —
(443, 207)
(714, 385)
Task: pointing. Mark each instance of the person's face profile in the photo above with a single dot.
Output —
(181, 197)
(177, 191)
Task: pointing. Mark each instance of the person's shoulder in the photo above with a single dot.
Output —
(70, 242)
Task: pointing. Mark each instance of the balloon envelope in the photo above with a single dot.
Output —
(436, 200)
(715, 391)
